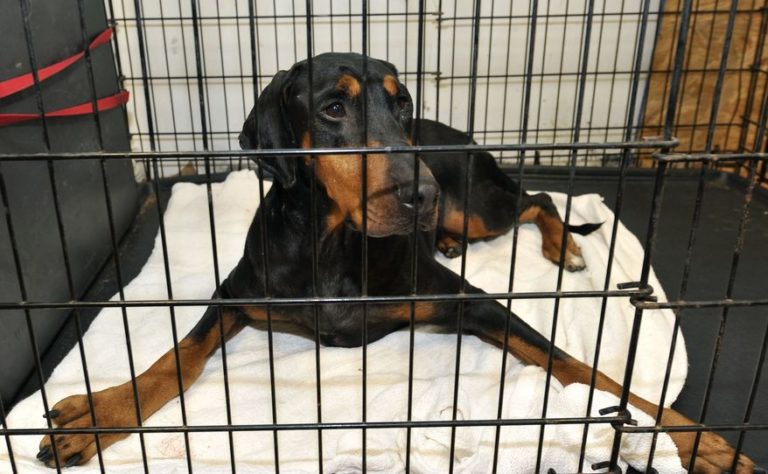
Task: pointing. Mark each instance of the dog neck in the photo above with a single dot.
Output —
(300, 212)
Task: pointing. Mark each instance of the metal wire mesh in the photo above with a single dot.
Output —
(536, 83)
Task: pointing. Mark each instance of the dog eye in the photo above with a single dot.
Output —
(335, 110)
(403, 101)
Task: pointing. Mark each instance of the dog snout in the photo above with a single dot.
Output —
(425, 198)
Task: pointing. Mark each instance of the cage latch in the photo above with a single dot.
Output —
(621, 412)
(644, 299)
(626, 418)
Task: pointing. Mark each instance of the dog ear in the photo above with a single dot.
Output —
(268, 127)
(390, 66)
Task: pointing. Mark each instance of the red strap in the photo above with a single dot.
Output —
(85, 108)
(19, 83)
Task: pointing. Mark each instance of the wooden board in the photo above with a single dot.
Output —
(706, 36)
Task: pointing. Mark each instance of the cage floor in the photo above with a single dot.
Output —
(745, 329)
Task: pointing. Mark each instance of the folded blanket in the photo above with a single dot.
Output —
(235, 202)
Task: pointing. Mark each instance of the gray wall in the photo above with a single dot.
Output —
(56, 34)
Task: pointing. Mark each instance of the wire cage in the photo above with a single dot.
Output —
(660, 106)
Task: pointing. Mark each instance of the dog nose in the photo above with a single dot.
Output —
(426, 195)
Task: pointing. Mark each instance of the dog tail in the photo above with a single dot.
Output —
(584, 229)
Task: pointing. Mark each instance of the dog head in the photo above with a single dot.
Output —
(348, 109)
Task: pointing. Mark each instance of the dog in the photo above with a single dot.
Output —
(399, 210)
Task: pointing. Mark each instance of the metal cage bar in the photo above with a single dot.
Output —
(551, 79)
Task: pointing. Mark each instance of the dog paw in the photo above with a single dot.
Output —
(574, 263)
(714, 454)
(449, 247)
(74, 412)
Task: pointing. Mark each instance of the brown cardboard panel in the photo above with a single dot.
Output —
(706, 36)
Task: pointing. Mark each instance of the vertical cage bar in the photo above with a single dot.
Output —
(646, 89)
(531, 45)
(638, 49)
(560, 75)
(670, 65)
(274, 23)
(452, 78)
(123, 309)
(170, 88)
(364, 230)
(529, 78)
(115, 44)
(752, 396)
(658, 194)
(696, 213)
(488, 73)
(753, 79)
(438, 54)
(254, 32)
(677, 73)
(696, 15)
(217, 281)
(116, 253)
(129, 62)
(117, 61)
(204, 81)
(504, 94)
(526, 113)
(469, 161)
(27, 315)
(618, 206)
(243, 76)
(587, 36)
(725, 310)
(294, 17)
(720, 75)
(199, 72)
(110, 211)
(653, 221)
(4, 424)
(144, 73)
(188, 82)
(416, 137)
(172, 312)
(224, 87)
(91, 80)
(315, 231)
(32, 57)
(76, 312)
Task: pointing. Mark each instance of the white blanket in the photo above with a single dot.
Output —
(235, 202)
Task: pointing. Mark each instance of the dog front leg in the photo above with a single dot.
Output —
(115, 407)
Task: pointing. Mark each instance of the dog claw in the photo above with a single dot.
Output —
(575, 264)
(452, 252)
(51, 414)
(45, 454)
(73, 460)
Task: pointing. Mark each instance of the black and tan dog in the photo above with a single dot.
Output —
(282, 118)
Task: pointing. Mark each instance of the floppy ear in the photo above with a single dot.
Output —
(389, 66)
(267, 127)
